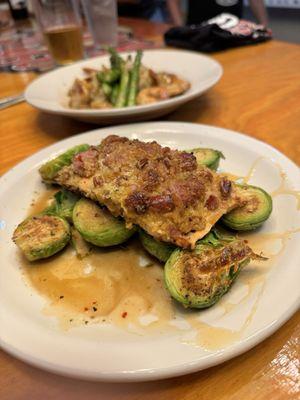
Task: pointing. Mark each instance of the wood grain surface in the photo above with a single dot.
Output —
(259, 95)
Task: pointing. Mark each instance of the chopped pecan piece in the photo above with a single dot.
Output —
(137, 201)
(225, 187)
(212, 203)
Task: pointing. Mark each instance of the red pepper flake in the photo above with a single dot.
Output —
(94, 302)
(124, 314)
(61, 297)
(94, 309)
(86, 309)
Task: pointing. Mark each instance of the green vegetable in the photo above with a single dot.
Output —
(115, 60)
(42, 236)
(81, 246)
(114, 94)
(108, 76)
(123, 89)
(49, 170)
(98, 226)
(257, 209)
(134, 79)
(63, 204)
(160, 250)
(107, 89)
(208, 157)
(199, 278)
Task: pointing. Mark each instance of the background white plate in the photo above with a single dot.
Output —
(107, 353)
(48, 93)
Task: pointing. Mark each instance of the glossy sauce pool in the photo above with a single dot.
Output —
(110, 285)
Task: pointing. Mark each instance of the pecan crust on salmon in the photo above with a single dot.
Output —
(163, 191)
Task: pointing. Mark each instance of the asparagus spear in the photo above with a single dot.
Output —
(115, 60)
(123, 89)
(134, 79)
(107, 89)
(114, 93)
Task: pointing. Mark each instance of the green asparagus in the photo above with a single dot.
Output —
(134, 79)
(114, 93)
(115, 60)
(123, 89)
(107, 89)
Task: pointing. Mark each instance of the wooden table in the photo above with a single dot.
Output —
(258, 95)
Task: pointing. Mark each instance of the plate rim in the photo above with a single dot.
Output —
(165, 372)
(125, 111)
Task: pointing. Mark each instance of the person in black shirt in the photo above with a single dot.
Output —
(202, 10)
(148, 9)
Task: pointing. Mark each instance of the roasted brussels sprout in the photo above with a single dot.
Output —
(208, 157)
(42, 236)
(98, 226)
(160, 250)
(257, 209)
(81, 246)
(198, 278)
(62, 205)
(51, 168)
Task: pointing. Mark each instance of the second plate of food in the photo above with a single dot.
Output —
(100, 300)
(167, 79)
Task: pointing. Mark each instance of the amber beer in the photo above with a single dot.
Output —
(65, 43)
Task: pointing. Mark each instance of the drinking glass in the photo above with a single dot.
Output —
(101, 17)
(61, 25)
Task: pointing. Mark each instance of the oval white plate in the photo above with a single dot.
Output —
(49, 92)
(107, 353)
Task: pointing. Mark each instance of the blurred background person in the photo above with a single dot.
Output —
(153, 10)
(197, 11)
(202, 10)
(169, 11)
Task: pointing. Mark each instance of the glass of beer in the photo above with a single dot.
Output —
(62, 28)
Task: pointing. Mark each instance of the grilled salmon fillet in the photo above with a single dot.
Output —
(163, 191)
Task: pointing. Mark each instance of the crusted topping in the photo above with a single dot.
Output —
(97, 181)
(188, 161)
(85, 163)
(141, 163)
(212, 203)
(164, 191)
(188, 192)
(138, 202)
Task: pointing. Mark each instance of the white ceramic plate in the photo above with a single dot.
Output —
(108, 353)
(49, 92)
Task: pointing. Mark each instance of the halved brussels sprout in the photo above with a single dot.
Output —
(81, 246)
(42, 236)
(63, 204)
(208, 157)
(98, 226)
(257, 209)
(199, 278)
(49, 170)
(160, 250)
